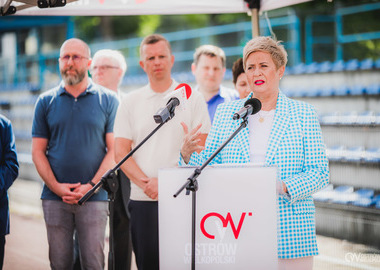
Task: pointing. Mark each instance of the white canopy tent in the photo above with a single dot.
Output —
(136, 7)
(139, 7)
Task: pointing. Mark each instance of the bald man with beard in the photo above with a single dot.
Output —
(72, 147)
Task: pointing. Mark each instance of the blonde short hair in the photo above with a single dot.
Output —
(209, 50)
(269, 45)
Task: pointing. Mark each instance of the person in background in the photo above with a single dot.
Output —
(209, 67)
(285, 133)
(239, 78)
(72, 147)
(134, 121)
(8, 173)
(107, 69)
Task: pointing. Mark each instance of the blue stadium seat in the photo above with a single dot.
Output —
(325, 67)
(312, 92)
(366, 118)
(344, 189)
(330, 118)
(312, 68)
(357, 90)
(372, 155)
(326, 91)
(340, 91)
(355, 154)
(364, 197)
(363, 202)
(325, 194)
(348, 118)
(299, 92)
(336, 153)
(304, 92)
(373, 89)
(377, 63)
(377, 119)
(338, 65)
(352, 64)
(299, 69)
(376, 200)
(365, 192)
(367, 64)
(344, 195)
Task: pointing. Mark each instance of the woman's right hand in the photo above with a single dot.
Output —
(190, 142)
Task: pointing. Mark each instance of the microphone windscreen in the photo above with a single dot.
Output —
(255, 103)
(182, 92)
(185, 89)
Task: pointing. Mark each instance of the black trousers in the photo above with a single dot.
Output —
(2, 245)
(144, 229)
(121, 227)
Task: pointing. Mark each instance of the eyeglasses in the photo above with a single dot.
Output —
(75, 58)
(102, 68)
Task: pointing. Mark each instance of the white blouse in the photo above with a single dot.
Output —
(260, 125)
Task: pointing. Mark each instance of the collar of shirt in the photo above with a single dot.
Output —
(88, 90)
(219, 94)
(150, 93)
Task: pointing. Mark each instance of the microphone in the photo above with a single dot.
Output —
(251, 106)
(180, 95)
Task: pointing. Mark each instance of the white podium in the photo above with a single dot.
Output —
(236, 219)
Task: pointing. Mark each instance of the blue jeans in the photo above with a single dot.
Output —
(89, 220)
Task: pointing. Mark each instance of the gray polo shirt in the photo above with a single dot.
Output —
(76, 130)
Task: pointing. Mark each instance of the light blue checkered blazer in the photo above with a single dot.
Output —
(296, 147)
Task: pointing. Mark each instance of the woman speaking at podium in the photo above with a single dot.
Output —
(285, 133)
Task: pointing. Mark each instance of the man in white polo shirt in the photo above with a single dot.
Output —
(134, 121)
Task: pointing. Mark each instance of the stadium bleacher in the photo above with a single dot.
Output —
(363, 197)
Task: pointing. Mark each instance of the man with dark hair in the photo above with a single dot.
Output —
(8, 173)
(134, 121)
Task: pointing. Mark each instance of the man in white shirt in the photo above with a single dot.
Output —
(134, 121)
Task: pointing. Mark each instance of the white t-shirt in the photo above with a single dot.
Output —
(134, 121)
(260, 125)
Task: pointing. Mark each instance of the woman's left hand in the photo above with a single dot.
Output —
(190, 142)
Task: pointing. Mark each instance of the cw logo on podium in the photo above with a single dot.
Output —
(225, 222)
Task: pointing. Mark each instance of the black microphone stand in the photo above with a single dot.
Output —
(192, 185)
(110, 184)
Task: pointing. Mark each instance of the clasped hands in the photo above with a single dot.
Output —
(71, 193)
